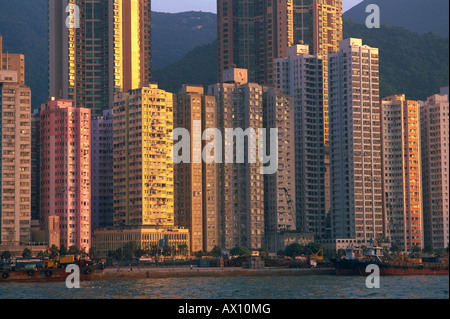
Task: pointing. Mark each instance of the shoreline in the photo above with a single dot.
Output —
(148, 273)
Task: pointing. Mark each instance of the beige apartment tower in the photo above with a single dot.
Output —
(402, 175)
(15, 164)
(110, 52)
(12, 62)
(241, 185)
(196, 181)
(434, 117)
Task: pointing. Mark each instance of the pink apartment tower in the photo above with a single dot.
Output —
(66, 171)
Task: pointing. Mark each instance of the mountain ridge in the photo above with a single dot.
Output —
(188, 43)
(413, 15)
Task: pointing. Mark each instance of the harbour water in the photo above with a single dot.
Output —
(279, 287)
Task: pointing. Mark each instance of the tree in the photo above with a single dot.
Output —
(199, 254)
(6, 255)
(294, 249)
(53, 252)
(92, 253)
(183, 249)
(42, 254)
(216, 252)
(83, 252)
(167, 251)
(63, 250)
(152, 251)
(118, 254)
(73, 250)
(27, 253)
(240, 251)
(129, 249)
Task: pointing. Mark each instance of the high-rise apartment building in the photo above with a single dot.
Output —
(143, 169)
(12, 62)
(279, 188)
(196, 181)
(300, 75)
(109, 52)
(143, 174)
(241, 184)
(355, 143)
(35, 165)
(66, 171)
(102, 170)
(251, 34)
(402, 182)
(15, 163)
(318, 23)
(434, 117)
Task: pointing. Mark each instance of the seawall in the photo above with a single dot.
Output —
(141, 273)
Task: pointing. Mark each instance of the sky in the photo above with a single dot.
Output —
(209, 5)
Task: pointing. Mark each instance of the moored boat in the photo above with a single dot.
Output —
(351, 266)
(36, 270)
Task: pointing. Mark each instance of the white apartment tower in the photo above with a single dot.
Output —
(355, 143)
(301, 76)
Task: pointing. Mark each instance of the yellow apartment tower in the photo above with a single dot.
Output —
(143, 173)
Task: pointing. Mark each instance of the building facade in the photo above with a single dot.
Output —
(12, 62)
(109, 52)
(318, 23)
(355, 143)
(196, 180)
(241, 184)
(402, 175)
(434, 117)
(15, 163)
(143, 169)
(102, 170)
(251, 34)
(66, 171)
(300, 75)
(35, 165)
(143, 173)
(280, 188)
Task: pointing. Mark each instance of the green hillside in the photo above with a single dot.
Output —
(198, 67)
(175, 34)
(184, 50)
(417, 65)
(23, 25)
(421, 16)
